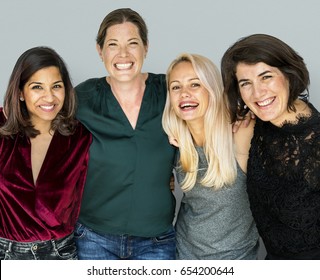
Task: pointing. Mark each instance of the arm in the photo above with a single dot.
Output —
(242, 140)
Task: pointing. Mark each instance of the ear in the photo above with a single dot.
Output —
(21, 96)
(99, 51)
(146, 48)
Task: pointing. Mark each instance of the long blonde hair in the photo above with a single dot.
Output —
(218, 145)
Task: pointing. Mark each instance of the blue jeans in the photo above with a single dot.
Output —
(59, 249)
(94, 246)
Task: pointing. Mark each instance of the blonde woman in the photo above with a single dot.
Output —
(214, 221)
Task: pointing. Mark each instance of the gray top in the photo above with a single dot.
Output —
(216, 224)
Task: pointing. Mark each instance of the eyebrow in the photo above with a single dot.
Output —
(116, 40)
(39, 83)
(190, 80)
(264, 72)
(261, 74)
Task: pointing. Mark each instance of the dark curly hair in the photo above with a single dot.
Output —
(269, 50)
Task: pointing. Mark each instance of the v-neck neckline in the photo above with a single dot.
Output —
(45, 159)
(118, 106)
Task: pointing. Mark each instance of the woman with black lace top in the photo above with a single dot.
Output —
(265, 75)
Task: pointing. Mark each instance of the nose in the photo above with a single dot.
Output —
(49, 95)
(258, 90)
(123, 51)
(185, 92)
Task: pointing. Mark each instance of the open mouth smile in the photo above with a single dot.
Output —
(265, 102)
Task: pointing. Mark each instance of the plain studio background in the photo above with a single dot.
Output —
(206, 27)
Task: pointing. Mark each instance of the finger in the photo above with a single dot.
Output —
(252, 115)
(173, 142)
(235, 126)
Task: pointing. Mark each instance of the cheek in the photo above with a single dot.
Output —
(29, 99)
(29, 104)
(107, 56)
(244, 95)
(62, 97)
(204, 105)
(285, 89)
(173, 98)
(176, 111)
(174, 104)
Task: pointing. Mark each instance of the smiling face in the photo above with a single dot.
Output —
(123, 51)
(188, 97)
(44, 95)
(265, 90)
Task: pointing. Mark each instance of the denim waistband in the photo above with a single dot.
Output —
(10, 245)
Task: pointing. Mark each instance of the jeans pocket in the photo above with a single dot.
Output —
(169, 235)
(3, 255)
(67, 251)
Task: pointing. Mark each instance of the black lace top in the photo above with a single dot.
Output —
(284, 187)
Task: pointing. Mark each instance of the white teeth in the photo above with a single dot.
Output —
(123, 66)
(188, 105)
(265, 102)
(46, 107)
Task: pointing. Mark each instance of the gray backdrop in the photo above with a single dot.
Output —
(207, 27)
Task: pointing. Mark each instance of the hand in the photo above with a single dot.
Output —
(244, 122)
(172, 182)
(173, 141)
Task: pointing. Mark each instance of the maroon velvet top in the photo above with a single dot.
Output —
(48, 209)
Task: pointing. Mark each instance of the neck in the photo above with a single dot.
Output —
(302, 109)
(127, 89)
(44, 128)
(197, 132)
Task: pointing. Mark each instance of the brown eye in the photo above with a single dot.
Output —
(195, 85)
(266, 77)
(244, 84)
(175, 87)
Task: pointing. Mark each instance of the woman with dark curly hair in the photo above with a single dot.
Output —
(263, 74)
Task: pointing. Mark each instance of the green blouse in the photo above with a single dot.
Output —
(127, 189)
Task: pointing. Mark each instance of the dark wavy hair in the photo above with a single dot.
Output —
(18, 120)
(119, 16)
(269, 50)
